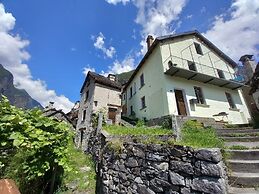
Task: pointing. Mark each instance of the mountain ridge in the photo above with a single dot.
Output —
(17, 97)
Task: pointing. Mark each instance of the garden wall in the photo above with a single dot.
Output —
(136, 168)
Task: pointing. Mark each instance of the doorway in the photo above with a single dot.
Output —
(180, 102)
(112, 112)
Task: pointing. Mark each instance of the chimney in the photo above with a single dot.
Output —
(150, 41)
(249, 66)
(112, 77)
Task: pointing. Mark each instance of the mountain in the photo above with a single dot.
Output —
(17, 97)
(123, 78)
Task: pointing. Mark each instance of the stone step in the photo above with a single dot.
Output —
(223, 131)
(241, 139)
(244, 154)
(244, 179)
(249, 166)
(246, 144)
(238, 190)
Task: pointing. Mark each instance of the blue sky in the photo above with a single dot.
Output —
(52, 44)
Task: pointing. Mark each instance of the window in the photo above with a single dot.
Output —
(230, 100)
(221, 74)
(124, 96)
(198, 48)
(86, 95)
(199, 95)
(170, 64)
(192, 66)
(84, 115)
(134, 88)
(130, 92)
(143, 102)
(131, 110)
(142, 80)
(95, 103)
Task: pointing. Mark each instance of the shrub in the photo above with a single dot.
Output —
(35, 148)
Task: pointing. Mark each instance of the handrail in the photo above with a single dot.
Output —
(201, 68)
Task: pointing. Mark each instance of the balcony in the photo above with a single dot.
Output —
(189, 70)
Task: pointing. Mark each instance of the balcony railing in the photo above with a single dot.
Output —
(176, 66)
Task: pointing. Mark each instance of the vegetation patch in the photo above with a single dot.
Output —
(195, 135)
(238, 147)
(143, 130)
(82, 177)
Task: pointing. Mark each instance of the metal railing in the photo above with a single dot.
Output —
(200, 68)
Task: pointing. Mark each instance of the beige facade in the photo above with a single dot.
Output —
(98, 97)
(169, 76)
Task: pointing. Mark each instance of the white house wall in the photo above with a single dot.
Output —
(153, 89)
(182, 49)
(215, 99)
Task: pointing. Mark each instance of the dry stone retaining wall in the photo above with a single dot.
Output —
(136, 168)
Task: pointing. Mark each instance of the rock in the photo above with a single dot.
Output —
(208, 185)
(131, 162)
(176, 179)
(178, 166)
(156, 157)
(211, 155)
(163, 166)
(85, 169)
(139, 153)
(138, 180)
(144, 190)
(211, 169)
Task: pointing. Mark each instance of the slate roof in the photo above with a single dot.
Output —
(180, 35)
(101, 80)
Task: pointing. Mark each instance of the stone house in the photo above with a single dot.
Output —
(185, 74)
(98, 94)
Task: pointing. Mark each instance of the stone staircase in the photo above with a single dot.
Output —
(243, 148)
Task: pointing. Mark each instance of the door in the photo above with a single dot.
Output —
(112, 114)
(180, 102)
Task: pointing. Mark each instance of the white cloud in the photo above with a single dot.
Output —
(156, 17)
(125, 65)
(12, 57)
(189, 16)
(237, 34)
(114, 2)
(87, 69)
(100, 44)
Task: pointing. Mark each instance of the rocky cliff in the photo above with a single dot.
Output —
(17, 97)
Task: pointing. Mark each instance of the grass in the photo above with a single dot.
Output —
(119, 130)
(195, 135)
(82, 174)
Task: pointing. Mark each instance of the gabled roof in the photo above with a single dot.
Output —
(101, 80)
(180, 35)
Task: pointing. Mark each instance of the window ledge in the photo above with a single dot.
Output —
(203, 105)
(234, 109)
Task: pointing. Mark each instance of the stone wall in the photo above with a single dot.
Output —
(135, 168)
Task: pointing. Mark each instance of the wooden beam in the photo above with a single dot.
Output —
(208, 80)
(224, 84)
(237, 87)
(192, 76)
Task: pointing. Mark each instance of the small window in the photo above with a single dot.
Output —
(198, 48)
(86, 95)
(131, 92)
(142, 83)
(199, 95)
(134, 88)
(230, 100)
(143, 102)
(84, 115)
(192, 66)
(221, 74)
(131, 110)
(124, 96)
(95, 103)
